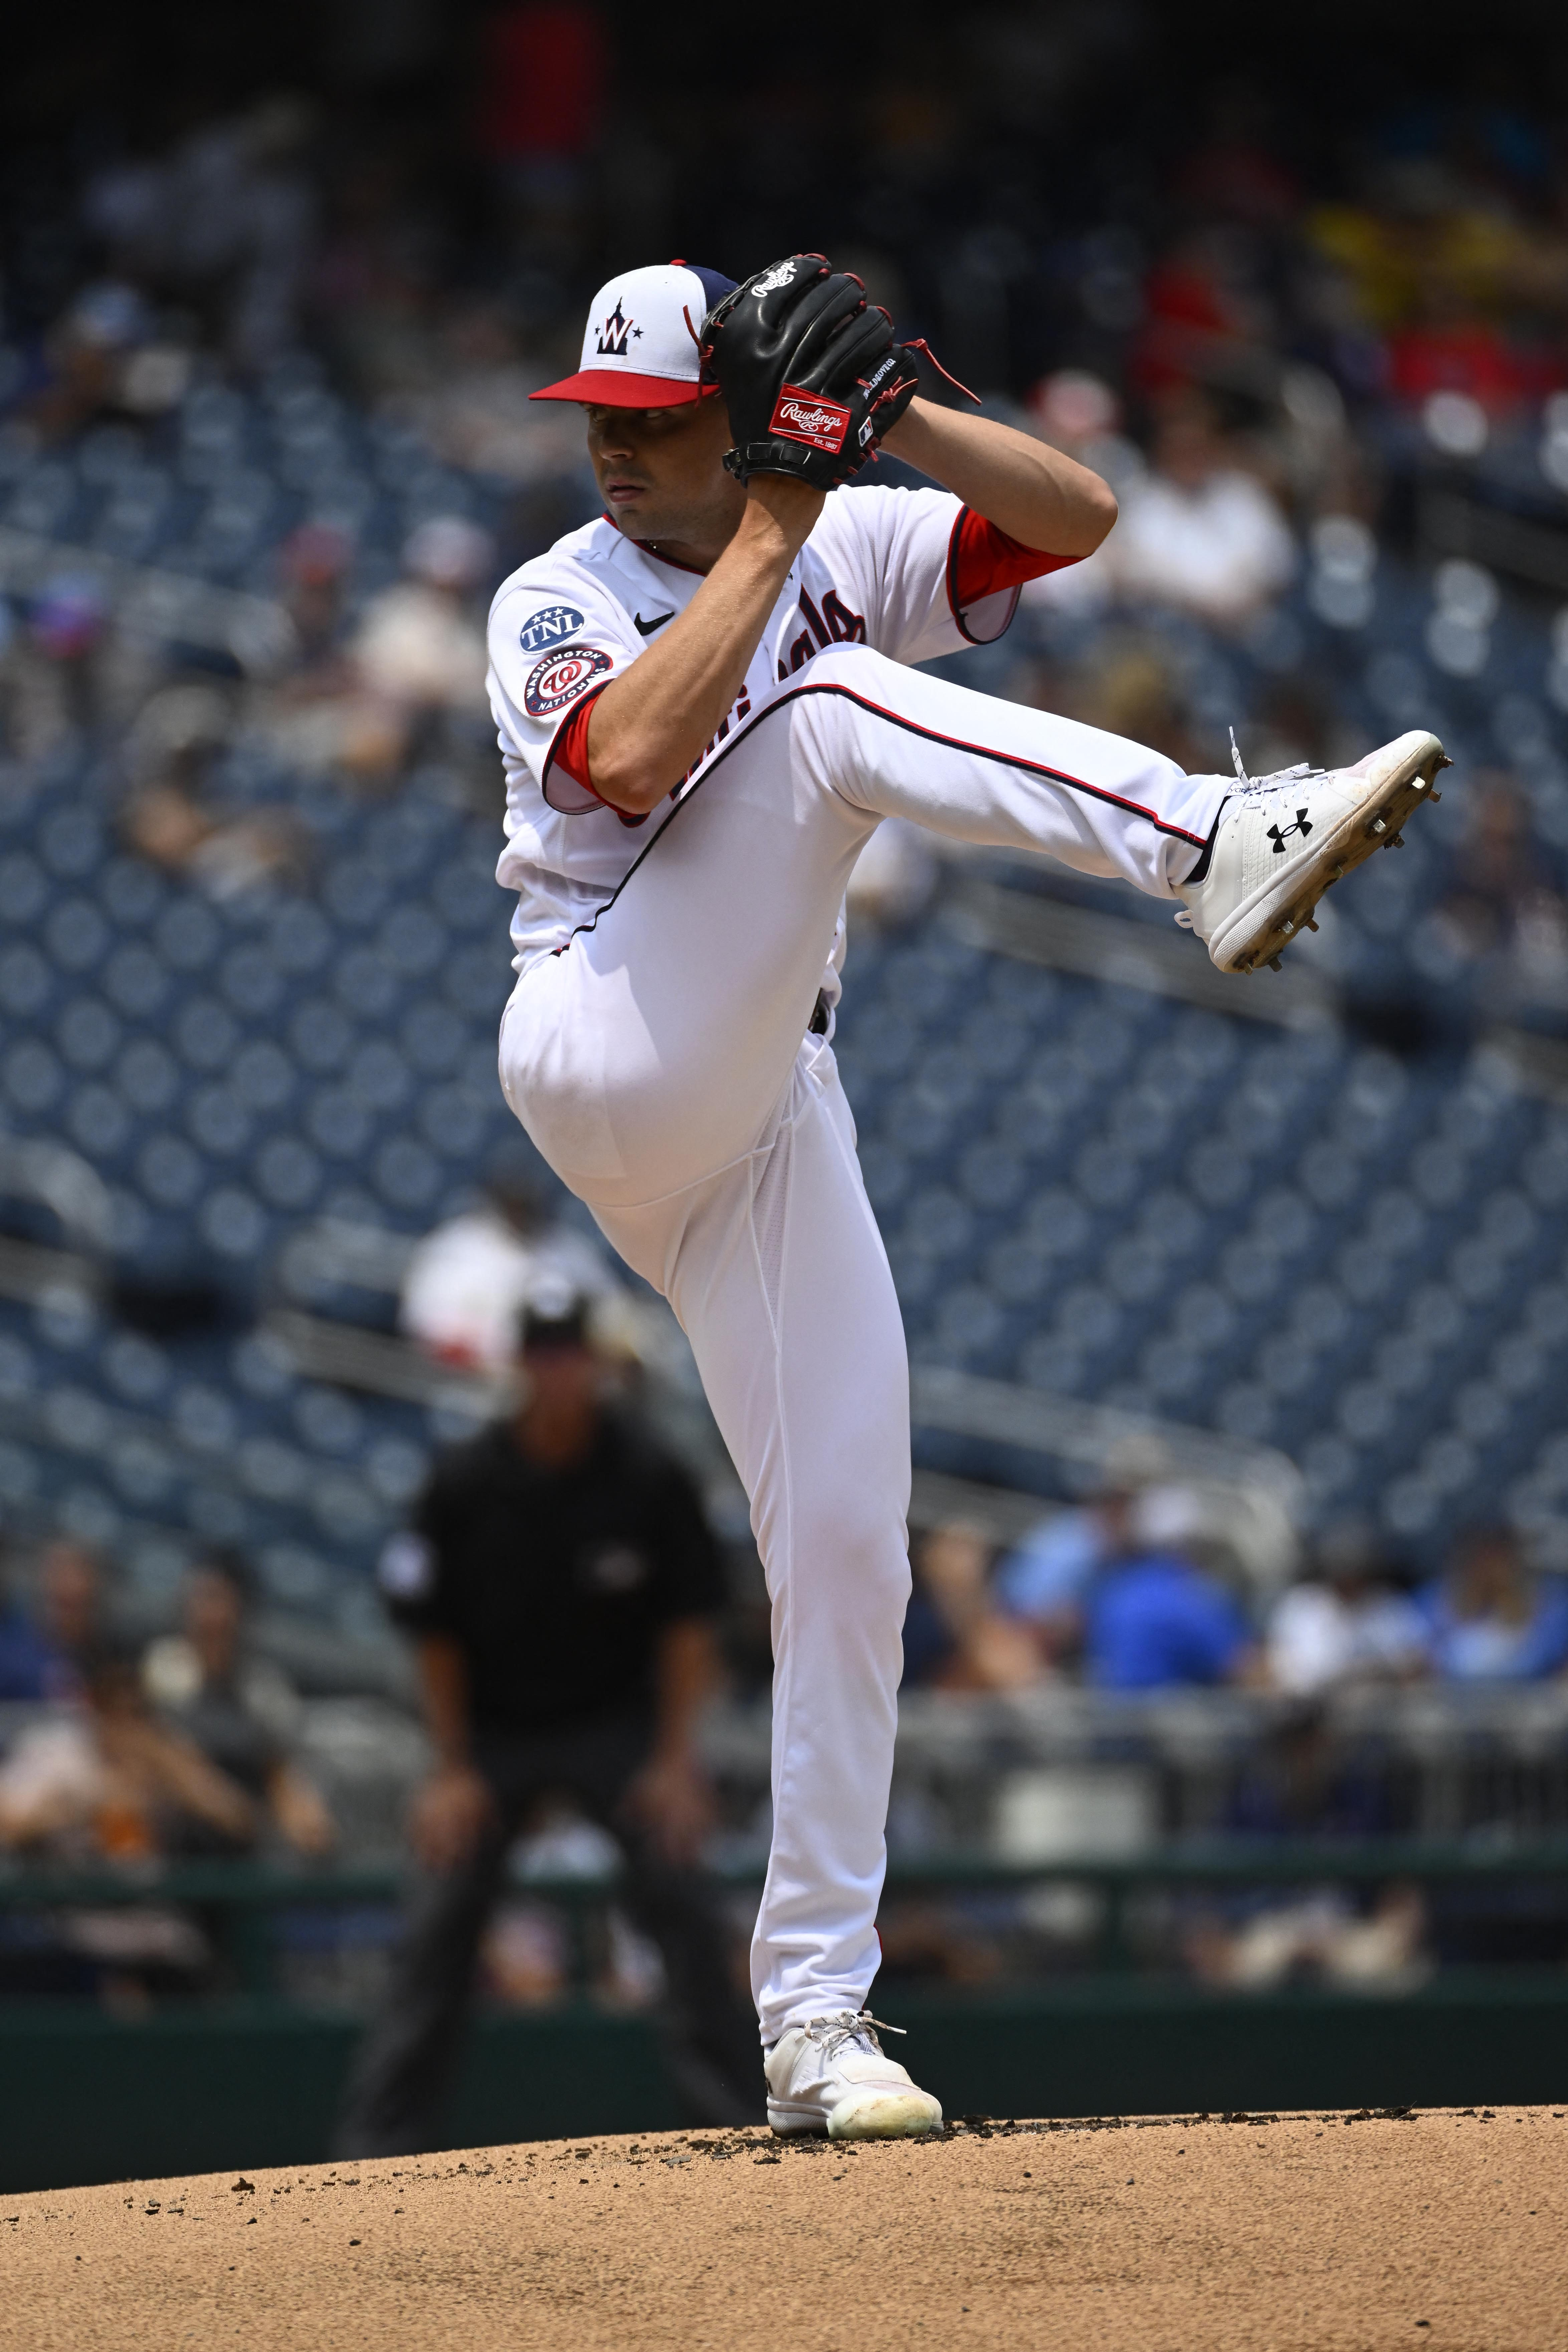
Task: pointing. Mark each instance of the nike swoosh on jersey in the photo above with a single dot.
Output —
(645, 628)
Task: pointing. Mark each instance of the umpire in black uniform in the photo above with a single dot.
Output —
(559, 1583)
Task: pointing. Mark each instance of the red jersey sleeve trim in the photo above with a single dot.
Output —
(569, 746)
(983, 560)
(568, 753)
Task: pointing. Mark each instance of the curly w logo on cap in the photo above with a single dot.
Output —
(639, 346)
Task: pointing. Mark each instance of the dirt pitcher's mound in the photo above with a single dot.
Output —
(1176, 2234)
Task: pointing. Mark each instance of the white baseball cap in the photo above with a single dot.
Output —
(640, 345)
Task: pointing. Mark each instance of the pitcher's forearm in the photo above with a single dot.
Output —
(1031, 491)
(646, 729)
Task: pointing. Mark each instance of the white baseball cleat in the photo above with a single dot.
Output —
(833, 2076)
(1285, 839)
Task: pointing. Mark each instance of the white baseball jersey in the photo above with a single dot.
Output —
(877, 570)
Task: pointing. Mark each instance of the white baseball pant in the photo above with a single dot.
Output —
(659, 1064)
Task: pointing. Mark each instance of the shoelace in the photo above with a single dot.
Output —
(832, 2032)
(1249, 788)
(1258, 788)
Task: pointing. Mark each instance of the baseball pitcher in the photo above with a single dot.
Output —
(707, 703)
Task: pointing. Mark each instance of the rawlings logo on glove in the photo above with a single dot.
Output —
(820, 423)
(809, 371)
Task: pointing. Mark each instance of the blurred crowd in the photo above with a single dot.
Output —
(129, 1757)
(1129, 1592)
(131, 1753)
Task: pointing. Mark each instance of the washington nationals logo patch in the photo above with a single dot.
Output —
(559, 678)
(803, 416)
(548, 627)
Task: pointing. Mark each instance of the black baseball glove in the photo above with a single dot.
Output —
(809, 371)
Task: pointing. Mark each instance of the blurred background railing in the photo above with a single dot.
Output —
(1020, 1827)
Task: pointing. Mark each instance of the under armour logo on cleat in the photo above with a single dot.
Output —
(1279, 836)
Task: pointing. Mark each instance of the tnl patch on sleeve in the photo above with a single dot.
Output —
(548, 626)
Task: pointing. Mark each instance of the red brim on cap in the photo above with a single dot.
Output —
(613, 388)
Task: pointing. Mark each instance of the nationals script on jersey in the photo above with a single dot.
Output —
(909, 572)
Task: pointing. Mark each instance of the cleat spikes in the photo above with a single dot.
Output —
(1284, 840)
